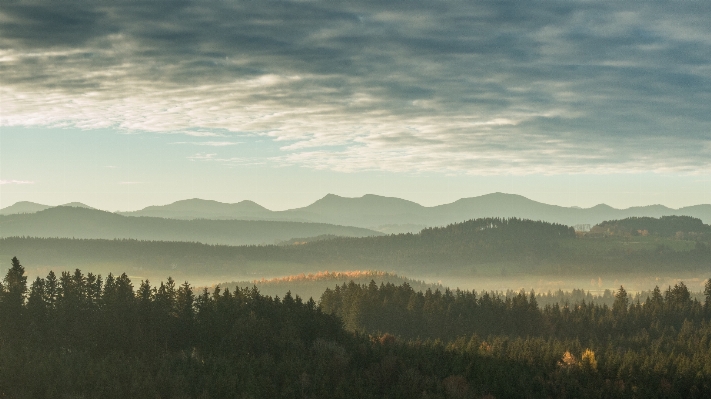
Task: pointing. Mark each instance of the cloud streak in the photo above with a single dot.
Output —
(458, 87)
(209, 143)
(22, 182)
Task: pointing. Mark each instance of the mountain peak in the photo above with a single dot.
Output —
(600, 207)
(23, 207)
(197, 208)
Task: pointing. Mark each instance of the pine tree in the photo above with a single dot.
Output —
(51, 290)
(12, 300)
(619, 307)
(37, 309)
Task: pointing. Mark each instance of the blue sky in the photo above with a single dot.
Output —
(122, 105)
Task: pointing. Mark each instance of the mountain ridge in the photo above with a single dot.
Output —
(400, 215)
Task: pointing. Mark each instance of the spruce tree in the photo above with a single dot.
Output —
(619, 307)
(14, 291)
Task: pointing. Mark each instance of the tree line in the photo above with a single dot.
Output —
(525, 246)
(665, 226)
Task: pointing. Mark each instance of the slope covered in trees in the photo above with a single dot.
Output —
(77, 335)
(666, 226)
(474, 247)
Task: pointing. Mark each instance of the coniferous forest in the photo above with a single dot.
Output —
(86, 336)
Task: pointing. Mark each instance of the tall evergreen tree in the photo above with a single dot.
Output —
(12, 300)
(619, 307)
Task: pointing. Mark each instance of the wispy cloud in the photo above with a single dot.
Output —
(461, 87)
(16, 182)
(202, 133)
(209, 143)
(201, 156)
(234, 161)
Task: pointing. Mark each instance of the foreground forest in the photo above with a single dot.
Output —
(84, 336)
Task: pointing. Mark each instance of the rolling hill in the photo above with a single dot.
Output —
(476, 249)
(32, 207)
(77, 222)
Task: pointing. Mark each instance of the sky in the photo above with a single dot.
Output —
(125, 104)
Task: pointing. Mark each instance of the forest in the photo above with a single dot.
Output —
(665, 226)
(470, 248)
(85, 336)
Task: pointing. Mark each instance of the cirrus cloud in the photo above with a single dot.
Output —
(2, 182)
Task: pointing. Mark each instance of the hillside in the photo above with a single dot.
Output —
(490, 248)
(89, 223)
(666, 226)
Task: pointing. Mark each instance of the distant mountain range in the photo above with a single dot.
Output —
(395, 215)
(32, 207)
(83, 222)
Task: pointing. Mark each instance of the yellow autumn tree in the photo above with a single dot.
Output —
(568, 360)
(588, 361)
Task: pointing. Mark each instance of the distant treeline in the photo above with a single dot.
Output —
(468, 247)
(665, 226)
(577, 296)
(81, 335)
(314, 284)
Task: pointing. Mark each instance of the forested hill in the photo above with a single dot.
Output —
(68, 221)
(467, 248)
(471, 242)
(468, 243)
(666, 226)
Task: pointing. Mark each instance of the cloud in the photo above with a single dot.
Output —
(234, 161)
(199, 133)
(459, 87)
(3, 182)
(209, 143)
(201, 156)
